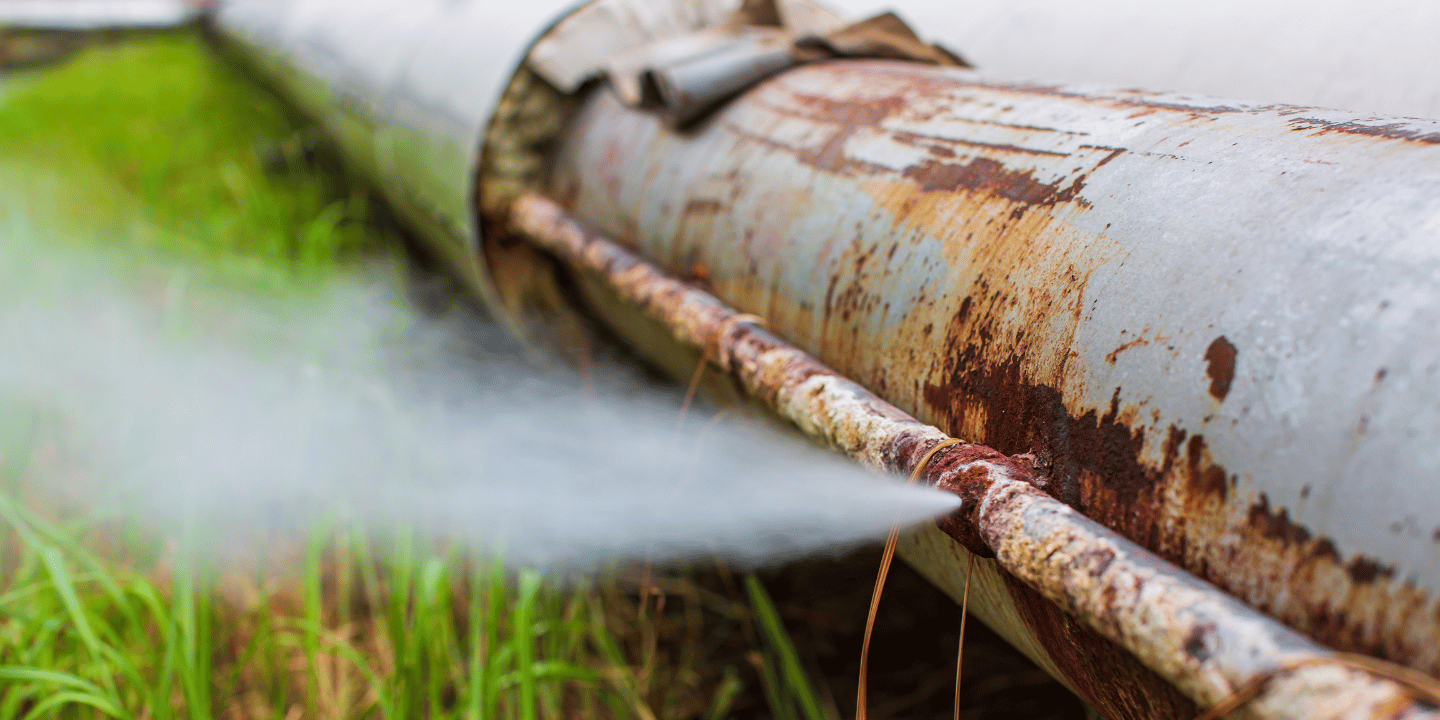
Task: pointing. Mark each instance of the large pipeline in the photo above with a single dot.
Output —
(1204, 325)
(1204, 643)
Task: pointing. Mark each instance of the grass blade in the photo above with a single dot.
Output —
(99, 702)
(523, 629)
(796, 680)
(730, 687)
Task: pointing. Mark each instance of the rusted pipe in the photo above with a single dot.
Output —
(1210, 322)
(823, 403)
(1204, 642)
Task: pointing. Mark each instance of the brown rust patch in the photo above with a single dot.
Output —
(1388, 131)
(848, 119)
(967, 471)
(958, 164)
(1277, 525)
(1205, 478)
(703, 206)
(1178, 508)
(944, 146)
(1113, 355)
(1147, 103)
(1220, 366)
(1003, 292)
(1365, 570)
(1111, 680)
(993, 177)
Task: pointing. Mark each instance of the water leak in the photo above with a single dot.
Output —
(232, 416)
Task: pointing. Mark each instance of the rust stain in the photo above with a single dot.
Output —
(848, 117)
(1124, 690)
(1001, 313)
(1178, 508)
(699, 206)
(971, 485)
(1146, 102)
(1388, 131)
(1114, 354)
(1220, 366)
(985, 174)
(1277, 525)
(942, 145)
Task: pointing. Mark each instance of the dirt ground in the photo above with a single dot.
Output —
(912, 665)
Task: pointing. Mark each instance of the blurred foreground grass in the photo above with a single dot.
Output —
(152, 147)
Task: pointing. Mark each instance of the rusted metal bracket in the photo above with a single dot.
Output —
(1206, 643)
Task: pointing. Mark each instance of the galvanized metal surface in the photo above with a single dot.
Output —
(406, 89)
(1196, 637)
(1371, 56)
(1211, 323)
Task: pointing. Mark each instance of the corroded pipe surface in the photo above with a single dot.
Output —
(1215, 326)
(1196, 637)
(1212, 326)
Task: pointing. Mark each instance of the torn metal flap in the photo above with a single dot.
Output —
(683, 58)
(627, 69)
(600, 36)
(687, 87)
(882, 36)
(580, 46)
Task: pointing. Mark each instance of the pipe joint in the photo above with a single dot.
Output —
(972, 472)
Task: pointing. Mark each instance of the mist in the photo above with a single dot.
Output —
(225, 416)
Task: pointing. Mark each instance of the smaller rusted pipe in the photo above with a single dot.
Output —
(1206, 643)
(822, 402)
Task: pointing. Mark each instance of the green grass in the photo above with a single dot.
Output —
(152, 147)
(156, 145)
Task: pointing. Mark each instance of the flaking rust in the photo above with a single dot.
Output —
(1203, 642)
(1185, 314)
(1210, 326)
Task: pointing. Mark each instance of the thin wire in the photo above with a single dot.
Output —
(964, 613)
(861, 693)
(694, 385)
(735, 319)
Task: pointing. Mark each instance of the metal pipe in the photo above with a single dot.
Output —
(1196, 637)
(1209, 326)
(1214, 326)
(405, 90)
